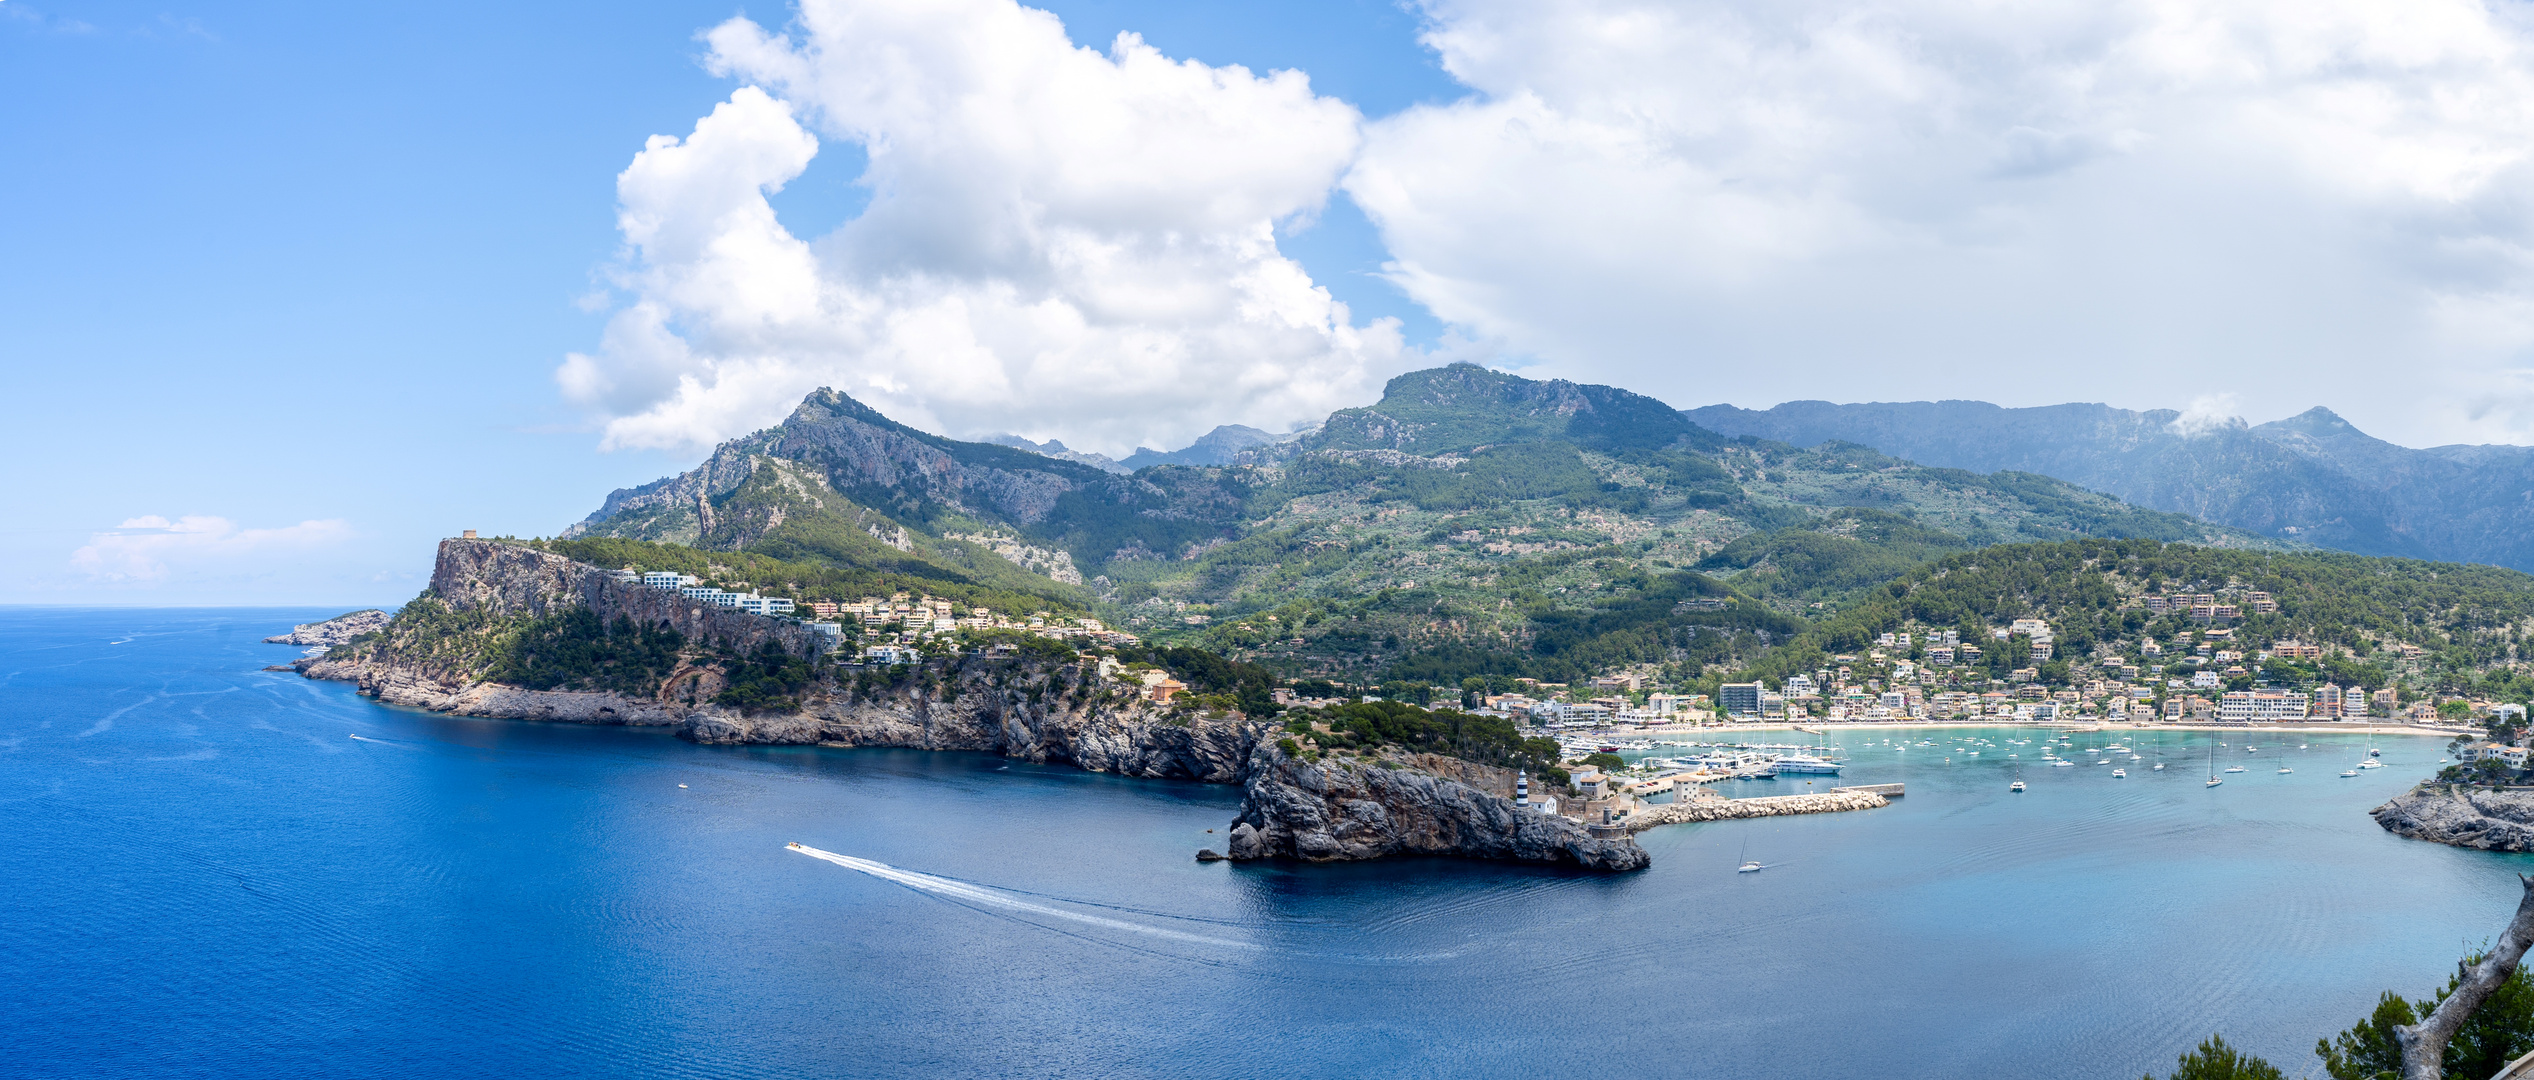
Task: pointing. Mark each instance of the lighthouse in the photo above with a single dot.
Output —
(1522, 790)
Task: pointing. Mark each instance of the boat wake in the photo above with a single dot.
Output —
(980, 896)
(1026, 907)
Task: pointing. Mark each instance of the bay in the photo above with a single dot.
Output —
(216, 870)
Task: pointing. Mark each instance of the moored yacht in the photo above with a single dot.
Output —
(1807, 764)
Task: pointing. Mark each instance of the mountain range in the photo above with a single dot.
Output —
(2312, 477)
(1471, 519)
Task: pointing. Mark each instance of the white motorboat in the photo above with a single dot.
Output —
(2349, 772)
(2234, 768)
(2284, 770)
(1750, 868)
(2120, 774)
(2016, 786)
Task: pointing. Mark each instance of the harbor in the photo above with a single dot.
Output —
(1679, 781)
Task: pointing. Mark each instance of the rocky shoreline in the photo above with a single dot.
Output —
(2490, 819)
(1318, 810)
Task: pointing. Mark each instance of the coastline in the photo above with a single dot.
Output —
(1042, 711)
(2327, 728)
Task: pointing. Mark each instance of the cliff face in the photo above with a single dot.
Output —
(1332, 810)
(2465, 817)
(986, 708)
(509, 581)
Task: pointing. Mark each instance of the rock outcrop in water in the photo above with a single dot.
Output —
(1337, 809)
(2492, 820)
(332, 632)
(435, 654)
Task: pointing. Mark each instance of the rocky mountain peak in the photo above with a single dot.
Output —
(1461, 406)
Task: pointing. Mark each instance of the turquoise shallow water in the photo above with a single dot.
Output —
(212, 876)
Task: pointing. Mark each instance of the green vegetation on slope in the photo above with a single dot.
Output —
(803, 579)
(570, 650)
(1372, 725)
(2470, 624)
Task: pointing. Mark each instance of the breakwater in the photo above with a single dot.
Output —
(1688, 811)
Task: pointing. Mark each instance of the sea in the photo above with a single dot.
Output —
(214, 870)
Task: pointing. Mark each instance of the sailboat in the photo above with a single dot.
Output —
(2213, 781)
(1749, 866)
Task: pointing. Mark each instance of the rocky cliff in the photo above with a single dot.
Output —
(1335, 809)
(2492, 820)
(434, 654)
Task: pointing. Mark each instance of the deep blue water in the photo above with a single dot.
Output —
(219, 871)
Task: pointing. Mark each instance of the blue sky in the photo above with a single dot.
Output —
(278, 263)
(292, 291)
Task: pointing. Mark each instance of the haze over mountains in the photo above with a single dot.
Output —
(2311, 477)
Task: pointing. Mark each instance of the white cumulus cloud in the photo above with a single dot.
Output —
(150, 548)
(1059, 241)
(2140, 200)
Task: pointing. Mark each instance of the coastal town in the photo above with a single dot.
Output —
(2203, 675)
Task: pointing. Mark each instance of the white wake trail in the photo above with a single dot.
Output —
(974, 894)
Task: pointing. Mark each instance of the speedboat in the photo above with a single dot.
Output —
(2120, 774)
(2371, 763)
(2373, 752)
(2159, 766)
(2284, 770)
(2349, 772)
(2016, 786)
(1750, 868)
(2063, 763)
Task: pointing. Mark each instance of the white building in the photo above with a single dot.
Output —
(2251, 705)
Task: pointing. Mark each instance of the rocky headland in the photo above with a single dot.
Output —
(1423, 805)
(338, 630)
(440, 651)
(2487, 818)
